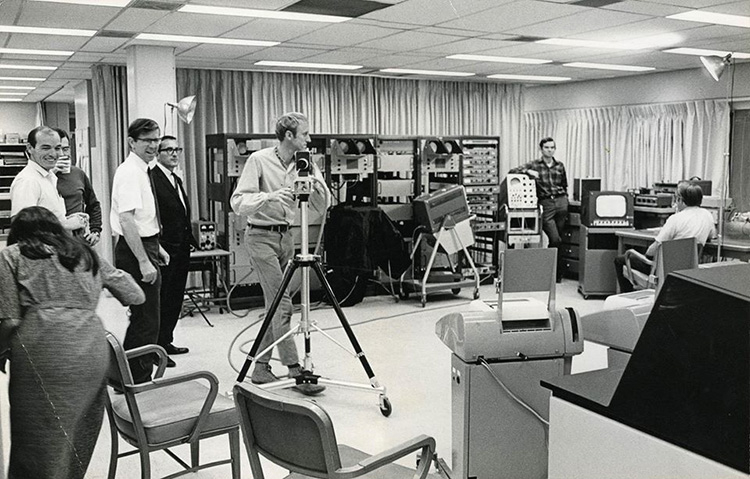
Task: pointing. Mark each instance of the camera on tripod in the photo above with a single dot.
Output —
(303, 164)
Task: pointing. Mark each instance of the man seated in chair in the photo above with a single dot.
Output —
(689, 221)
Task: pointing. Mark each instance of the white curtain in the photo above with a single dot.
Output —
(250, 102)
(633, 146)
(108, 145)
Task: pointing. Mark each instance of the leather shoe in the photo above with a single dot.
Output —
(170, 363)
(172, 349)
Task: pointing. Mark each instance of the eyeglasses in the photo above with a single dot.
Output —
(149, 140)
(171, 151)
(66, 149)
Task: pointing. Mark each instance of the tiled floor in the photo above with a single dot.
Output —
(399, 341)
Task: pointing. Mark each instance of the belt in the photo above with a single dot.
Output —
(553, 196)
(276, 228)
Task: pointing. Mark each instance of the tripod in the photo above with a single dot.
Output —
(306, 261)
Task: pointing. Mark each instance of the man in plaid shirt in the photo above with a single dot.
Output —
(551, 192)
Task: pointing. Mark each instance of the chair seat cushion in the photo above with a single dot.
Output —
(170, 412)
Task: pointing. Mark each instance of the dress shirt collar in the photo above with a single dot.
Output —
(37, 167)
(137, 161)
(164, 169)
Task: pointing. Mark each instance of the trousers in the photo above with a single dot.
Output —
(554, 215)
(270, 252)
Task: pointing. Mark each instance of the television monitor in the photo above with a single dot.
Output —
(607, 209)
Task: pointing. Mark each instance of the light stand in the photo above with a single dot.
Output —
(716, 67)
(303, 187)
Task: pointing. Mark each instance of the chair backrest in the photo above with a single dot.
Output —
(528, 270)
(675, 255)
(120, 379)
(296, 434)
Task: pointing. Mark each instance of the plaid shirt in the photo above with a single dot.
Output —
(552, 180)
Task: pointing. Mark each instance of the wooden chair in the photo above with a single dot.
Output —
(298, 435)
(166, 412)
(672, 255)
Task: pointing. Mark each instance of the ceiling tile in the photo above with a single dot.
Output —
(69, 74)
(433, 12)
(346, 56)
(591, 19)
(86, 58)
(450, 31)
(654, 26)
(136, 19)
(644, 7)
(471, 45)
(59, 15)
(514, 15)
(284, 54)
(45, 42)
(690, 4)
(737, 8)
(396, 61)
(273, 30)
(344, 34)
(409, 41)
(177, 23)
(212, 51)
(103, 44)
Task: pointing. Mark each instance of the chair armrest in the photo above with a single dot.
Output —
(213, 391)
(150, 349)
(423, 442)
(629, 268)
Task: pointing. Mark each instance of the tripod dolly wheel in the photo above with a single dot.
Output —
(385, 406)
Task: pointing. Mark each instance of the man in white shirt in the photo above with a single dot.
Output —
(36, 184)
(690, 221)
(134, 217)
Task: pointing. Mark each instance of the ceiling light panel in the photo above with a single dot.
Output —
(213, 40)
(8, 100)
(253, 13)
(29, 51)
(490, 58)
(532, 78)
(21, 79)
(98, 3)
(10, 66)
(325, 66)
(71, 32)
(608, 66)
(13, 93)
(14, 87)
(703, 16)
(705, 52)
(408, 71)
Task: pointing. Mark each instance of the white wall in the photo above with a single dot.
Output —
(17, 118)
(667, 87)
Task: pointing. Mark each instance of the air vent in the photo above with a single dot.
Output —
(595, 3)
(523, 39)
(114, 34)
(155, 5)
(340, 8)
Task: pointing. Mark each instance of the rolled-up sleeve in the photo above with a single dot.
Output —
(247, 198)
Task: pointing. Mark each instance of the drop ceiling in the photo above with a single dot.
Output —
(402, 34)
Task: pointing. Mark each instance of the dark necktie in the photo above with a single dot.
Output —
(178, 188)
(156, 200)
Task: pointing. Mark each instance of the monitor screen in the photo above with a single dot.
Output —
(611, 206)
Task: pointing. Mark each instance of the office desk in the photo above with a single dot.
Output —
(731, 248)
(215, 263)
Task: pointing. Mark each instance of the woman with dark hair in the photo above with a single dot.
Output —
(50, 285)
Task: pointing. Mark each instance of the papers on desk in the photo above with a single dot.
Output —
(653, 230)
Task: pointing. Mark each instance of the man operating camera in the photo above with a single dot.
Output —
(265, 193)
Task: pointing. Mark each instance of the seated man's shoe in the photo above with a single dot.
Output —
(262, 374)
(171, 349)
(307, 388)
(170, 363)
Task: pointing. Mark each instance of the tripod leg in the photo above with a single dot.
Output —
(192, 298)
(344, 323)
(288, 273)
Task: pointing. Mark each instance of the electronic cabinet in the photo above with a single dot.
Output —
(12, 161)
(597, 252)
(570, 246)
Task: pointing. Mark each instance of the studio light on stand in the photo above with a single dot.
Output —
(716, 66)
(185, 109)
